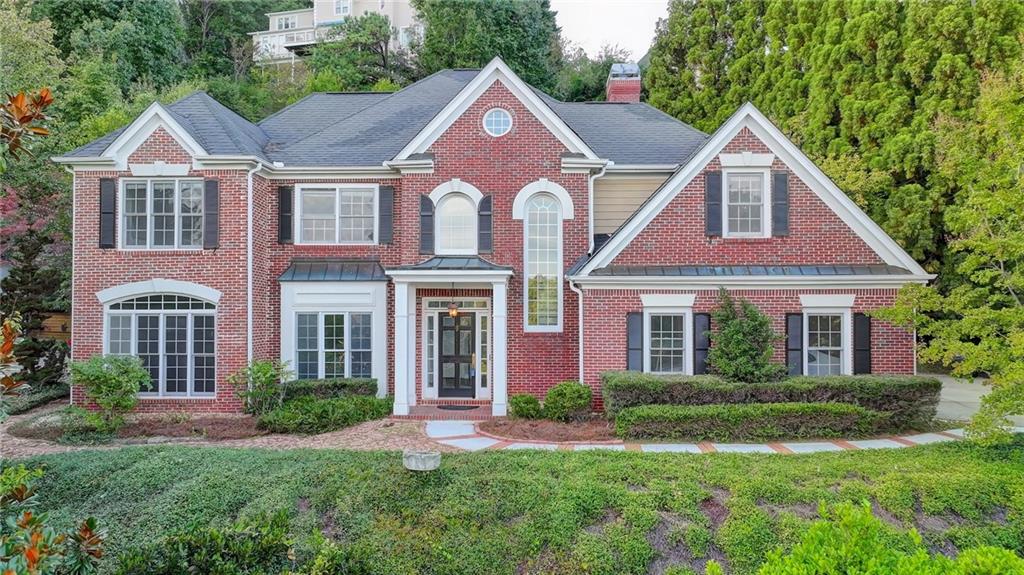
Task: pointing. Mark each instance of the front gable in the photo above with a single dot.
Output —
(155, 136)
(826, 227)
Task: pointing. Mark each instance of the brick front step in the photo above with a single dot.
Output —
(432, 412)
(455, 401)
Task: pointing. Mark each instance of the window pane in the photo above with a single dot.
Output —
(318, 216)
(307, 362)
(431, 332)
(119, 335)
(176, 353)
(163, 214)
(135, 200)
(667, 345)
(456, 226)
(824, 344)
(147, 338)
(334, 345)
(203, 352)
(543, 269)
(191, 214)
(745, 201)
(355, 221)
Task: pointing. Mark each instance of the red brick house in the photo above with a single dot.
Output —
(462, 240)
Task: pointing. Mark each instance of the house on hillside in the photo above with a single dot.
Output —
(462, 240)
(293, 33)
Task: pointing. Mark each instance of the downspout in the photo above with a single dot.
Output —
(71, 300)
(590, 208)
(579, 327)
(248, 262)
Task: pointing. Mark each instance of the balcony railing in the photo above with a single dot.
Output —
(277, 44)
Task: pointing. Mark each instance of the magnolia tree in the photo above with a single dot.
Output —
(22, 120)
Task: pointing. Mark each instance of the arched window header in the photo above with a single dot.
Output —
(457, 186)
(543, 185)
(158, 286)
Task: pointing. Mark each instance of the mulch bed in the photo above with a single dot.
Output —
(595, 429)
(211, 427)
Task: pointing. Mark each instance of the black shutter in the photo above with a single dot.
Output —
(780, 203)
(387, 214)
(426, 225)
(485, 239)
(211, 215)
(861, 343)
(713, 203)
(795, 343)
(108, 213)
(701, 342)
(285, 215)
(634, 341)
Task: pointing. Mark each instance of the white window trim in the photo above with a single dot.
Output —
(557, 328)
(439, 204)
(321, 351)
(160, 393)
(297, 211)
(687, 313)
(431, 391)
(338, 7)
(511, 122)
(766, 202)
(287, 23)
(846, 367)
(122, 229)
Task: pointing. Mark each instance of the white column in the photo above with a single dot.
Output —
(402, 370)
(499, 364)
(412, 374)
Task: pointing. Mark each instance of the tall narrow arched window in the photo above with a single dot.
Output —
(456, 225)
(543, 264)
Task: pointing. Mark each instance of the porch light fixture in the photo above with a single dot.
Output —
(453, 309)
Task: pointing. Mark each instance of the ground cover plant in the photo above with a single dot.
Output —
(311, 415)
(542, 512)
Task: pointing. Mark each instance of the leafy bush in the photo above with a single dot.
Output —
(35, 397)
(742, 343)
(256, 547)
(849, 539)
(909, 401)
(325, 388)
(310, 415)
(334, 559)
(567, 401)
(112, 382)
(745, 422)
(525, 406)
(259, 385)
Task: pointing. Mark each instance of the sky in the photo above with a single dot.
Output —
(594, 23)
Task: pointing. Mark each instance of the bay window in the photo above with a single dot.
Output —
(162, 213)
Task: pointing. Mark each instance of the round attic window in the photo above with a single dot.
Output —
(497, 122)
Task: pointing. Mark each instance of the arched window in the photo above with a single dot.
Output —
(456, 225)
(543, 265)
(173, 335)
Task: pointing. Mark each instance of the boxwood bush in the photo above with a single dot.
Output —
(525, 406)
(311, 415)
(909, 401)
(567, 401)
(325, 388)
(746, 422)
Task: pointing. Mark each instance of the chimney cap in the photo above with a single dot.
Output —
(624, 70)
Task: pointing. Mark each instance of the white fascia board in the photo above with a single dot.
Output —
(748, 116)
(411, 166)
(749, 282)
(495, 71)
(585, 165)
(155, 117)
(271, 172)
(86, 163)
(449, 277)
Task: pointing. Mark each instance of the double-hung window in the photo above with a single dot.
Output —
(668, 337)
(543, 224)
(826, 346)
(337, 214)
(333, 344)
(342, 8)
(456, 225)
(746, 204)
(162, 213)
(173, 335)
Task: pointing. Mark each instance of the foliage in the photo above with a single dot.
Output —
(29, 60)
(357, 56)
(909, 401)
(327, 388)
(309, 415)
(977, 327)
(567, 401)
(581, 78)
(261, 545)
(259, 385)
(860, 83)
(22, 120)
(742, 343)
(746, 421)
(525, 406)
(469, 34)
(112, 382)
(29, 545)
(35, 397)
(334, 559)
(849, 539)
(10, 387)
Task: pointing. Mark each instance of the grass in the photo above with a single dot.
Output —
(550, 512)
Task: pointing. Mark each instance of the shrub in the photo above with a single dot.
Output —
(35, 397)
(325, 388)
(112, 382)
(745, 422)
(849, 539)
(525, 406)
(256, 547)
(310, 415)
(259, 385)
(742, 343)
(567, 401)
(909, 401)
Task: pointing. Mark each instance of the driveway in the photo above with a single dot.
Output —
(961, 399)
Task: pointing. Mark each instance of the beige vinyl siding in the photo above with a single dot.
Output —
(616, 197)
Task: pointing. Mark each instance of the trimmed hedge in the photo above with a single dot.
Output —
(909, 401)
(310, 415)
(568, 401)
(746, 422)
(325, 388)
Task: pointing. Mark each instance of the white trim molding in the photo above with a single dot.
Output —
(830, 304)
(746, 160)
(667, 300)
(155, 117)
(749, 282)
(543, 185)
(158, 286)
(455, 185)
(159, 168)
(830, 300)
(766, 202)
(669, 304)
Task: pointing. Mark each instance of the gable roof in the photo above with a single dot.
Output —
(748, 116)
(366, 129)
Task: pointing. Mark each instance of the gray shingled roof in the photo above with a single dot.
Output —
(367, 129)
(333, 270)
(460, 263)
(726, 271)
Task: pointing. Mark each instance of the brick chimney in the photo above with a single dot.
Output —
(623, 83)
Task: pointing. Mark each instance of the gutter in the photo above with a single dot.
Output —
(579, 329)
(71, 300)
(248, 261)
(590, 209)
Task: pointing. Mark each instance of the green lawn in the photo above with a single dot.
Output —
(560, 512)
